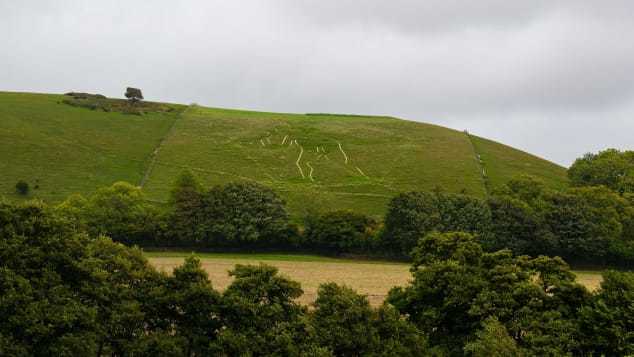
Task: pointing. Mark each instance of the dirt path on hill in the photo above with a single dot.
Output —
(157, 149)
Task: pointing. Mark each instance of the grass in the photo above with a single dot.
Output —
(503, 163)
(64, 149)
(373, 278)
(385, 156)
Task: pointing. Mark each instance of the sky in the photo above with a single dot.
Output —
(554, 78)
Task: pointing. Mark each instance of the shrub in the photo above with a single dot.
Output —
(411, 216)
(22, 188)
(611, 168)
(457, 286)
(339, 232)
(119, 211)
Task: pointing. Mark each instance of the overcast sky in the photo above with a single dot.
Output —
(555, 78)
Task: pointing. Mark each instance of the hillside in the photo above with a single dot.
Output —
(316, 162)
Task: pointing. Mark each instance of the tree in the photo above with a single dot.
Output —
(133, 94)
(343, 320)
(119, 211)
(493, 341)
(340, 231)
(64, 293)
(22, 188)
(243, 214)
(591, 224)
(517, 226)
(411, 216)
(457, 286)
(607, 322)
(185, 208)
(585, 222)
(611, 168)
(346, 324)
(194, 307)
(260, 314)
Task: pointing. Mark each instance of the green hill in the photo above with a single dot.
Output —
(315, 161)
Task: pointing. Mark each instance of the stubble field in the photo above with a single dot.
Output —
(371, 278)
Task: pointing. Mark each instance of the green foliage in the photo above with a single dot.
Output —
(238, 214)
(607, 323)
(340, 231)
(185, 205)
(611, 168)
(584, 221)
(493, 340)
(67, 293)
(133, 94)
(584, 224)
(518, 226)
(22, 188)
(244, 213)
(260, 315)
(118, 211)
(64, 293)
(194, 307)
(457, 286)
(344, 322)
(412, 215)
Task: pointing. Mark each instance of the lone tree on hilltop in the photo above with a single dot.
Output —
(133, 94)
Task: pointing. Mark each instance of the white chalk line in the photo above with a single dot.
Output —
(262, 142)
(301, 152)
(361, 172)
(285, 137)
(344, 153)
(310, 174)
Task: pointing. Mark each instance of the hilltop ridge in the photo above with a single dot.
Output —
(316, 161)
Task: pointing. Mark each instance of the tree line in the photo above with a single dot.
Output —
(66, 292)
(591, 222)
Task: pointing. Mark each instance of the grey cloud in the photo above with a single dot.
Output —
(527, 73)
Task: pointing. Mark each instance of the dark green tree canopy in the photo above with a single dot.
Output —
(133, 94)
(411, 216)
(611, 168)
(457, 287)
(340, 231)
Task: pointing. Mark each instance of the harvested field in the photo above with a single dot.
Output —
(374, 279)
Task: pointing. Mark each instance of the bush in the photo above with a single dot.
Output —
(340, 232)
(411, 216)
(119, 211)
(588, 225)
(457, 286)
(611, 168)
(235, 215)
(22, 188)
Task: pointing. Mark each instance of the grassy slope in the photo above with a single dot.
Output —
(503, 163)
(385, 156)
(66, 150)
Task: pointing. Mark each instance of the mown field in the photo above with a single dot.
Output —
(373, 278)
(316, 162)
